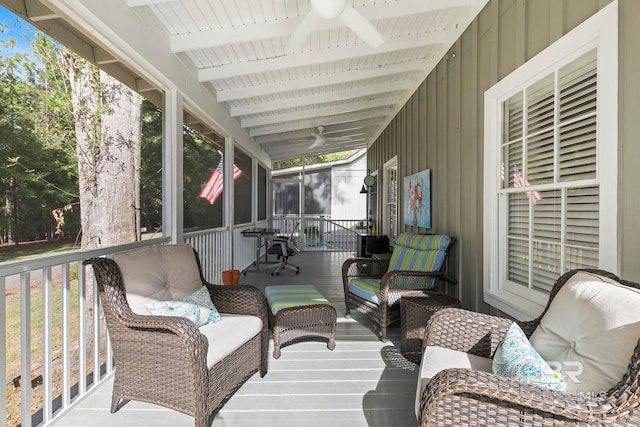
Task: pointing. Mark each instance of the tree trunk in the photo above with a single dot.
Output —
(108, 134)
(108, 138)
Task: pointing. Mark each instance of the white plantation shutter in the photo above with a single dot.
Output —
(540, 105)
(550, 187)
(550, 200)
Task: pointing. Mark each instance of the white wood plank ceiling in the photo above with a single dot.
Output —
(281, 94)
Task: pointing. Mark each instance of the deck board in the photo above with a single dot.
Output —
(362, 382)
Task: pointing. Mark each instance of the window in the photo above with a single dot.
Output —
(262, 193)
(317, 192)
(391, 198)
(242, 196)
(203, 198)
(550, 183)
(286, 197)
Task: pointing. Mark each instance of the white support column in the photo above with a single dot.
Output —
(254, 189)
(172, 182)
(228, 182)
(227, 194)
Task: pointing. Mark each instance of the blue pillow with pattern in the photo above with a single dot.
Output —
(516, 358)
(197, 307)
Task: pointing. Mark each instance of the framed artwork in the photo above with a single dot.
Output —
(417, 199)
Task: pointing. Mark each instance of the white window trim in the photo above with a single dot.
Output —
(601, 31)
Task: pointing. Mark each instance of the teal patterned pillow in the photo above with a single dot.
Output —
(197, 307)
(516, 358)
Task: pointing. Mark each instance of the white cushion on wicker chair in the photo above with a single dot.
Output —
(158, 273)
(228, 334)
(436, 359)
(593, 323)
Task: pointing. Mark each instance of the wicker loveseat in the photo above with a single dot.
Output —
(167, 360)
(591, 320)
(374, 286)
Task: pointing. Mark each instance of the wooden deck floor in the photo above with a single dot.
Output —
(363, 382)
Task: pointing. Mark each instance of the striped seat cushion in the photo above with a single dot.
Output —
(369, 289)
(418, 252)
(280, 297)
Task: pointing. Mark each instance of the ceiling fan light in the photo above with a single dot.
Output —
(328, 9)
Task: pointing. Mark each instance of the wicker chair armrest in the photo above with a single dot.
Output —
(506, 392)
(466, 331)
(241, 299)
(389, 277)
(183, 331)
(248, 300)
(363, 268)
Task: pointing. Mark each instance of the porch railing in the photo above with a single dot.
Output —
(320, 232)
(56, 353)
(53, 346)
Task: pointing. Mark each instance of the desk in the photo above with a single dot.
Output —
(261, 235)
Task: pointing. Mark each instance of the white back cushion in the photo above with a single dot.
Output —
(158, 273)
(593, 326)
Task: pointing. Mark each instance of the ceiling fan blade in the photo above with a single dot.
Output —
(319, 142)
(338, 138)
(306, 27)
(361, 26)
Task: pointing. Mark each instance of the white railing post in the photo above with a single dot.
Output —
(47, 345)
(66, 345)
(25, 348)
(96, 331)
(3, 357)
(82, 342)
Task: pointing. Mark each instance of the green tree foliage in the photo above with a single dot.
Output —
(151, 167)
(313, 160)
(38, 177)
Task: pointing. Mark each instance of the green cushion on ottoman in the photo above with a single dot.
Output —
(300, 311)
(280, 297)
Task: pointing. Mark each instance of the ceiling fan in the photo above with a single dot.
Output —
(320, 139)
(331, 9)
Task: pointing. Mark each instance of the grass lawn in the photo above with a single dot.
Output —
(30, 250)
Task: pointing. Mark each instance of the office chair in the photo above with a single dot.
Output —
(284, 247)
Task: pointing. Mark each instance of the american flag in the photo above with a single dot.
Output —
(517, 182)
(213, 188)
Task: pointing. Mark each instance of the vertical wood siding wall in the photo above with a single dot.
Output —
(441, 126)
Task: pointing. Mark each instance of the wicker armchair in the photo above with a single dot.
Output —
(168, 360)
(374, 286)
(463, 397)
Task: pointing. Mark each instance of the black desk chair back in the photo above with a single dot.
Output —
(284, 247)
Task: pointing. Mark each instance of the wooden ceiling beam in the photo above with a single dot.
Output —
(316, 81)
(317, 57)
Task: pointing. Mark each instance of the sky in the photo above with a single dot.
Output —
(13, 26)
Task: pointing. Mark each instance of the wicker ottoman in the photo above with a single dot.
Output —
(416, 308)
(300, 311)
